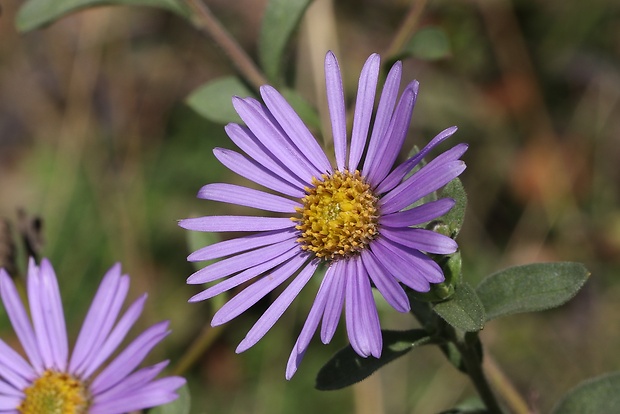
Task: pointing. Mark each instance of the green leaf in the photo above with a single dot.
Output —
(213, 100)
(347, 367)
(455, 217)
(36, 13)
(429, 43)
(463, 310)
(531, 287)
(181, 405)
(280, 20)
(596, 395)
(471, 406)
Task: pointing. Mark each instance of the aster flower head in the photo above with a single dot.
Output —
(87, 381)
(353, 218)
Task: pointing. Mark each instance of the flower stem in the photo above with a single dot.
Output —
(206, 22)
(197, 349)
(407, 28)
(472, 361)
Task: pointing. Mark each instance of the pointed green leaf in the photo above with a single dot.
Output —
(455, 217)
(463, 310)
(531, 287)
(36, 13)
(213, 100)
(280, 20)
(347, 367)
(429, 43)
(596, 395)
(181, 405)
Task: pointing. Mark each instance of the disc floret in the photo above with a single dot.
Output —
(55, 393)
(339, 215)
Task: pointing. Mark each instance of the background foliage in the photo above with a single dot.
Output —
(96, 137)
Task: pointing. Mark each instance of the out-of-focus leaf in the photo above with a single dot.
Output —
(429, 43)
(463, 310)
(455, 217)
(530, 288)
(596, 395)
(36, 13)
(347, 367)
(280, 20)
(470, 406)
(181, 405)
(213, 100)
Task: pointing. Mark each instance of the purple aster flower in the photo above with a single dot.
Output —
(51, 381)
(353, 218)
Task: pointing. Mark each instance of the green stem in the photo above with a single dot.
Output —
(407, 28)
(473, 364)
(205, 21)
(197, 349)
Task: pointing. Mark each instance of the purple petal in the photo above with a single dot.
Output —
(255, 148)
(335, 299)
(240, 244)
(39, 316)
(255, 172)
(384, 115)
(256, 291)
(14, 369)
(395, 136)
(129, 358)
(430, 178)
(364, 104)
(397, 266)
(115, 337)
(362, 319)
(52, 306)
(156, 393)
(309, 328)
(19, 319)
(100, 318)
(416, 261)
(249, 197)
(277, 308)
(244, 276)
(385, 283)
(10, 404)
(418, 215)
(420, 239)
(396, 176)
(240, 262)
(337, 113)
(236, 223)
(7, 389)
(132, 382)
(294, 127)
(271, 140)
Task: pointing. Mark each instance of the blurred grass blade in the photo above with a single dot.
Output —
(36, 13)
(463, 310)
(531, 288)
(213, 100)
(181, 405)
(347, 367)
(596, 395)
(280, 20)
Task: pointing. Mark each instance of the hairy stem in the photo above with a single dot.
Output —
(473, 364)
(206, 22)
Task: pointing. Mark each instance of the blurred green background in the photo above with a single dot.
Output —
(95, 138)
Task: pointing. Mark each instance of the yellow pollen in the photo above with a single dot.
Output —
(338, 217)
(55, 393)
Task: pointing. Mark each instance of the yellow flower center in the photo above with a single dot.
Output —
(339, 215)
(55, 393)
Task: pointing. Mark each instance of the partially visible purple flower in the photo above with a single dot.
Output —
(354, 217)
(88, 381)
